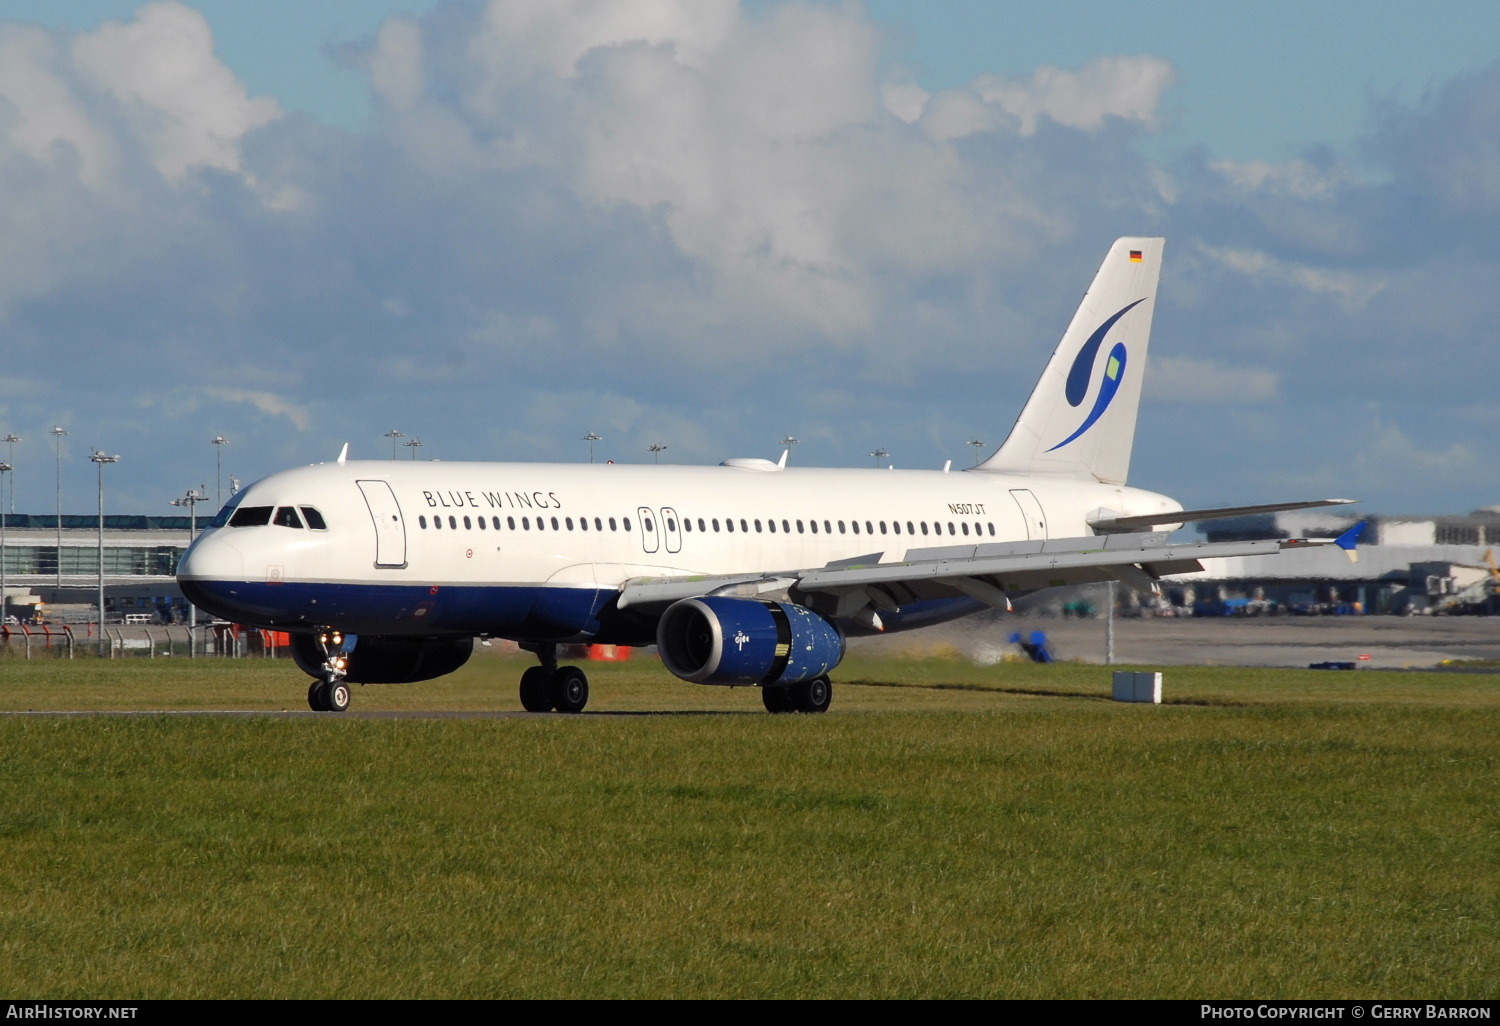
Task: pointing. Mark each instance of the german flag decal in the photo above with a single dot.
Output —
(1135, 256)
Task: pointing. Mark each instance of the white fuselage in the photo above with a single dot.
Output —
(592, 527)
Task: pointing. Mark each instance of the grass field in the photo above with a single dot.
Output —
(944, 831)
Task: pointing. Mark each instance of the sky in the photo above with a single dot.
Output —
(496, 227)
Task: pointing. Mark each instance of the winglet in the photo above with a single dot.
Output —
(343, 454)
(1347, 540)
(784, 454)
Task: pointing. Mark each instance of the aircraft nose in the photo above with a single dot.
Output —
(213, 557)
(211, 574)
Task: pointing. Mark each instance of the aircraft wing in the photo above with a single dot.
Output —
(989, 573)
(1106, 521)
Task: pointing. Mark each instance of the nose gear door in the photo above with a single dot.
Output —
(390, 529)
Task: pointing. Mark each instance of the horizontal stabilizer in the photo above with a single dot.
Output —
(1350, 538)
(1106, 524)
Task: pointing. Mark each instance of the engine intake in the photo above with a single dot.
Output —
(387, 660)
(716, 640)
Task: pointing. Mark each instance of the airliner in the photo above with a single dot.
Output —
(749, 573)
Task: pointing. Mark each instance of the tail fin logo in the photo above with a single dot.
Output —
(1082, 371)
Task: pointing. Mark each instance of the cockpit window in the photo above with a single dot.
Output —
(314, 519)
(251, 516)
(286, 516)
(222, 517)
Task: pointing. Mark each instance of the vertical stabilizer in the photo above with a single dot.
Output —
(1080, 419)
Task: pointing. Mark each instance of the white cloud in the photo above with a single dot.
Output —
(1129, 88)
(185, 104)
(268, 403)
(1354, 288)
(1207, 382)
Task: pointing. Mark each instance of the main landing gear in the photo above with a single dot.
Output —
(549, 686)
(329, 692)
(811, 696)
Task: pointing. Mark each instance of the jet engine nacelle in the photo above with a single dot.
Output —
(388, 660)
(716, 640)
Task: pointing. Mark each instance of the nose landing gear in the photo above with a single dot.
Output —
(549, 686)
(330, 691)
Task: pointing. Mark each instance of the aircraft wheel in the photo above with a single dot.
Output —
(536, 690)
(315, 699)
(336, 696)
(812, 696)
(570, 689)
(777, 699)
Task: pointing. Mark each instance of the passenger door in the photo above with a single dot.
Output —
(390, 529)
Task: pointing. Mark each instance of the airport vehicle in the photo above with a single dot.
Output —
(751, 572)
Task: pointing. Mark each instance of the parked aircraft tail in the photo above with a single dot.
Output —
(1080, 419)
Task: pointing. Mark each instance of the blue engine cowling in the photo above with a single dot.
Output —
(715, 640)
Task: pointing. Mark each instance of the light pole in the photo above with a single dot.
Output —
(100, 457)
(655, 449)
(58, 434)
(978, 445)
(789, 441)
(191, 500)
(393, 434)
(414, 445)
(11, 440)
(591, 438)
(5, 469)
(879, 455)
(218, 442)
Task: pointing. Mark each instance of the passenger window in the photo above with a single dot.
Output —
(911, 529)
(799, 528)
(786, 527)
(612, 523)
(286, 516)
(757, 527)
(827, 527)
(841, 527)
(814, 525)
(541, 523)
(625, 522)
(700, 525)
(453, 523)
(729, 525)
(598, 524)
(437, 522)
(647, 523)
(525, 523)
(744, 526)
(569, 522)
(496, 522)
(924, 527)
(510, 522)
(554, 525)
(869, 527)
(771, 526)
(671, 524)
(950, 529)
(481, 522)
(468, 524)
(422, 522)
(314, 519)
(855, 525)
(251, 516)
(966, 528)
(583, 523)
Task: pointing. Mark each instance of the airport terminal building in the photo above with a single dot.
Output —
(1406, 565)
(48, 564)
